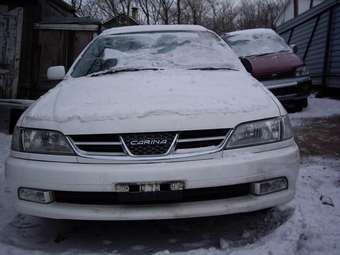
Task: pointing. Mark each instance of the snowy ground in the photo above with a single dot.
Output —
(318, 108)
(308, 225)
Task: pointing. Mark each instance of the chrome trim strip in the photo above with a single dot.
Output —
(97, 143)
(173, 145)
(109, 154)
(82, 153)
(288, 82)
(201, 139)
(282, 85)
(287, 96)
(152, 159)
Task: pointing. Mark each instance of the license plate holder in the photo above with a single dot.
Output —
(149, 187)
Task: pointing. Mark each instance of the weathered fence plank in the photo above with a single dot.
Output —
(10, 44)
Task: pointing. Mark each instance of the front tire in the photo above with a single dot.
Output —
(299, 105)
(304, 102)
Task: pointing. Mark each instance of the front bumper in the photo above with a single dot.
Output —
(225, 168)
(289, 90)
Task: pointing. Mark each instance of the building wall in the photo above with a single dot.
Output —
(288, 12)
(313, 55)
(34, 11)
(317, 35)
(334, 59)
(10, 31)
(55, 48)
(119, 21)
(27, 34)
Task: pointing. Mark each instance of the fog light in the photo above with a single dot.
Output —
(37, 196)
(269, 186)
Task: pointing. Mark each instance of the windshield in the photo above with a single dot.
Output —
(161, 50)
(249, 43)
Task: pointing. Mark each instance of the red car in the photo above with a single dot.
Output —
(270, 60)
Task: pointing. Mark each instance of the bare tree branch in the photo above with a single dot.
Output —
(218, 15)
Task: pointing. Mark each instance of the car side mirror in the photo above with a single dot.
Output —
(294, 48)
(247, 65)
(55, 73)
(109, 63)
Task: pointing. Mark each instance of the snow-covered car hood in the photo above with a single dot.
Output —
(149, 101)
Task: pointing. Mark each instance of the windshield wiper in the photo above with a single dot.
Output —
(267, 53)
(211, 68)
(260, 55)
(120, 70)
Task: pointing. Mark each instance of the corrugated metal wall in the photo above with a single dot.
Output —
(315, 55)
(317, 35)
(334, 63)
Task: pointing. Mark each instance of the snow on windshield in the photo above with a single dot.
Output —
(162, 50)
(256, 42)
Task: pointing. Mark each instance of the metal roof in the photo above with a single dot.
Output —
(71, 20)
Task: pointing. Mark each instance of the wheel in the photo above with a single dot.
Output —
(297, 108)
(299, 105)
(304, 102)
(14, 117)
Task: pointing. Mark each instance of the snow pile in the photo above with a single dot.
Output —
(160, 100)
(171, 92)
(152, 28)
(174, 54)
(318, 108)
(165, 50)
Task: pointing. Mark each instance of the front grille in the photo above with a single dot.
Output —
(285, 90)
(101, 144)
(162, 197)
(201, 139)
(150, 144)
(267, 77)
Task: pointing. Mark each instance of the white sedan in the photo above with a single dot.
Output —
(152, 122)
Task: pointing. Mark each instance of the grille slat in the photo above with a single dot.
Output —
(95, 138)
(149, 144)
(202, 133)
(102, 148)
(98, 143)
(201, 139)
(285, 90)
(198, 144)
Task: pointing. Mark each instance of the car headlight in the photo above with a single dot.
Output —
(301, 71)
(40, 141)
(260, 132)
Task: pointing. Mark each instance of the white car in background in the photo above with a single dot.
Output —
(153, 122)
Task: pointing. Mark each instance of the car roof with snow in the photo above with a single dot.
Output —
(153, 28)
(250, 32)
